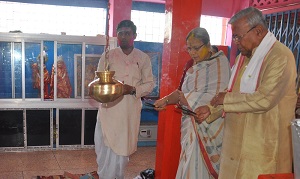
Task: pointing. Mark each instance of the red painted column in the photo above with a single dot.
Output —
(119, 10)
(181, 17)
(237, 6)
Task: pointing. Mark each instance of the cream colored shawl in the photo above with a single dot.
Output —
(251, 74)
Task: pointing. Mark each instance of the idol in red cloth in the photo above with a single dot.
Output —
(64, 88)
(36, 76)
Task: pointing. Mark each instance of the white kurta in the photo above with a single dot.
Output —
(120, 119)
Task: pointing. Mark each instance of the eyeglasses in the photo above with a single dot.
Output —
(237, 38)
(189, 49)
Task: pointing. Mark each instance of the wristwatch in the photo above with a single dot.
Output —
(133, 91)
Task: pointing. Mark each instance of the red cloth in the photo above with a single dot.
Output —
(188, 65)
(277, 176)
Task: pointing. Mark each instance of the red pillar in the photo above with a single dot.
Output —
(119, 10)
(181, 17)
(237, 6)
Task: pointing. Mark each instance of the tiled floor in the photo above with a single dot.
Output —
(27, 165)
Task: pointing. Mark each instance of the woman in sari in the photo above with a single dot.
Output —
(200, 142)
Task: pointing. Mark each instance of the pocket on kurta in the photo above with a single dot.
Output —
(135, 72)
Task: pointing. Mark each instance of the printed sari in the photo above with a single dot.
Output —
(201, 143)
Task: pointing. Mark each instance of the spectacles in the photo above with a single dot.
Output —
(237, 38)
(189, 49)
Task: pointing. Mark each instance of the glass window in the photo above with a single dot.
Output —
(51, 19)
(70, 126)
(5, 70)
(216, 28)
(89, 126)
(65, 70)
(150, 25)
(33, 71)
(11, 128)
(38, 127)
(17, 72)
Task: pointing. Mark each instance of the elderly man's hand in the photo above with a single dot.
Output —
(202, 113)
(218, 99)
(298, 101)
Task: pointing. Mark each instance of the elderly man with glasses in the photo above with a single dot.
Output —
(259, 103)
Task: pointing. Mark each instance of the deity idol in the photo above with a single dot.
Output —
(36, 76)
(64, 88)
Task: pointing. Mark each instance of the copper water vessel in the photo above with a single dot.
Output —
(105, 88)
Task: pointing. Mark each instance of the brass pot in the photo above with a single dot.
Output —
(105, 88)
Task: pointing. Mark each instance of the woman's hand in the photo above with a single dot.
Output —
(161, 103)
(181, 98)
(202, 113)
(175, 97)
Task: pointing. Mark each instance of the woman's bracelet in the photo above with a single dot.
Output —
(167, 101)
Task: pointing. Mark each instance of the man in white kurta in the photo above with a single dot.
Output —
(116, 132)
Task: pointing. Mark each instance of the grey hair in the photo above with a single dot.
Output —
(199, 33)
(254, 17)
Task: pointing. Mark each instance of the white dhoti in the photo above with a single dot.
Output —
(110, 165)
